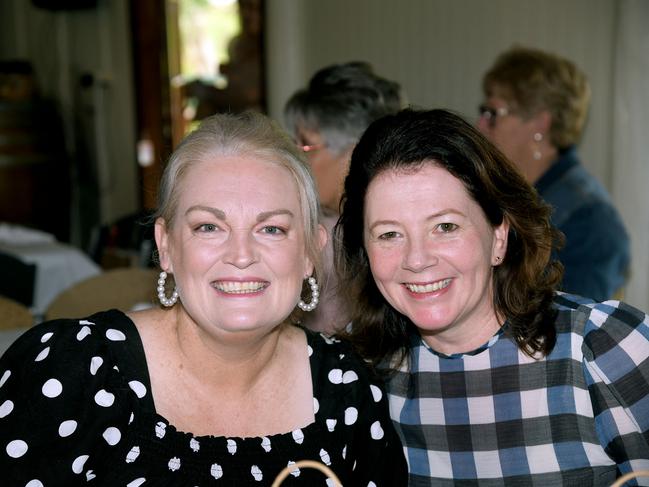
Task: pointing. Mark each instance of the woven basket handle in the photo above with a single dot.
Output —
(631, 475)
(286, 471)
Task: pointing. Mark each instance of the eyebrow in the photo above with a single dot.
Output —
(220, 214)
(428, 218)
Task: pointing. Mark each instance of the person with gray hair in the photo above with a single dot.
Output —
(218, 383)
(327, 118)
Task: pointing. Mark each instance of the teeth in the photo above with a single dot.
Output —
(428, 288)
(235, 287)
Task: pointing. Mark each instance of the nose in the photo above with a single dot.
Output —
(240, 251)
(418, 255)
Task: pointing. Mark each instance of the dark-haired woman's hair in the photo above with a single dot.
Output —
(524, 283)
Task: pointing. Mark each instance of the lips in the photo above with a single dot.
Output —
(240, 287)
(427, 288)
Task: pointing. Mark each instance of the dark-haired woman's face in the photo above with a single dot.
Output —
(431, 252)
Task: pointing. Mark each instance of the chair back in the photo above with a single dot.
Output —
(18, 279)
(122, 288)
(14, 314)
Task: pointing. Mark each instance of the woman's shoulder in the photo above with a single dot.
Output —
(608, 328)
(68, 346)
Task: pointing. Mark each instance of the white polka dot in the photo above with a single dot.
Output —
(256, 473)
(46, 337)
(79, 462)
(376, 393)
(331, 424)
(138, 388)
(376, 431)
(349, 376)
(216, 471)
(136, 482)
(330, 483)
(90, 475)
(174, 464)
(324, 456)
(95, 363)
(16, 448)
(316, 405)
(66, 428)
(34, 483)
(43, 355)
(5, 376)
(351, 415)
(371, 484)
(83, 333)
(115, 335)
(309, 350)
(132, 455)
(6, 408)
(52, 388)
(295, 472)
(104, 398)
(345, 452)
(112, 436)
(335, 376)
(130, 419)
(85, 322)
(298, 436)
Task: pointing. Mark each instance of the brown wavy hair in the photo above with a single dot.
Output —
(524, 283)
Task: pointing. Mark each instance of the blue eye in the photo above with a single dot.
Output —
(207, 227)
(273, 230)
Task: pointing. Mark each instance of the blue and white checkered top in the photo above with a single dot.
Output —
(496, 417)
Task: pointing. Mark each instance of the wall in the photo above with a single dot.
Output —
(62, 47)
(439, 49)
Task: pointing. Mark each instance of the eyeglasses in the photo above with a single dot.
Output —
(490, 114)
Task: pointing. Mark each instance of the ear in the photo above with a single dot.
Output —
(499, 248)
(543, 122)
(162, 242)
(322, 237)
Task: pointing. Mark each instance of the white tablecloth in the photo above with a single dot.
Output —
(58, 266)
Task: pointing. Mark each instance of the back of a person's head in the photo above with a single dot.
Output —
(340, 101)
(533, 80)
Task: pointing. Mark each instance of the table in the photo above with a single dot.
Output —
(58, 266)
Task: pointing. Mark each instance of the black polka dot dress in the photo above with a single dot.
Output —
(76, 409)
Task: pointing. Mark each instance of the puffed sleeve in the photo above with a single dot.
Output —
(616, 364)
(58, 406)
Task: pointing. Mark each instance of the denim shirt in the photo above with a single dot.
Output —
(596, 255)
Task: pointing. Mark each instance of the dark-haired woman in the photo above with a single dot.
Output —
(494, 377)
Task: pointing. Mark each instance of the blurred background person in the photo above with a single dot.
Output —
(493, 377)
(217, 383)
(535, 108)
(327, 117)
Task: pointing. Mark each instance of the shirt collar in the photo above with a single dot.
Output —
(567, 159)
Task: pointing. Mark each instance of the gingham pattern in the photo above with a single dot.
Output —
(496, 417)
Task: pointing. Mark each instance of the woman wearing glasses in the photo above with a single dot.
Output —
(535, 109)
(327, 118)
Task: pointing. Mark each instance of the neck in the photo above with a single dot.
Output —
(533, 169)
(229, 361)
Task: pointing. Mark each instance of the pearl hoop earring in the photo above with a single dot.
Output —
(315, 294)
(167, 302)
